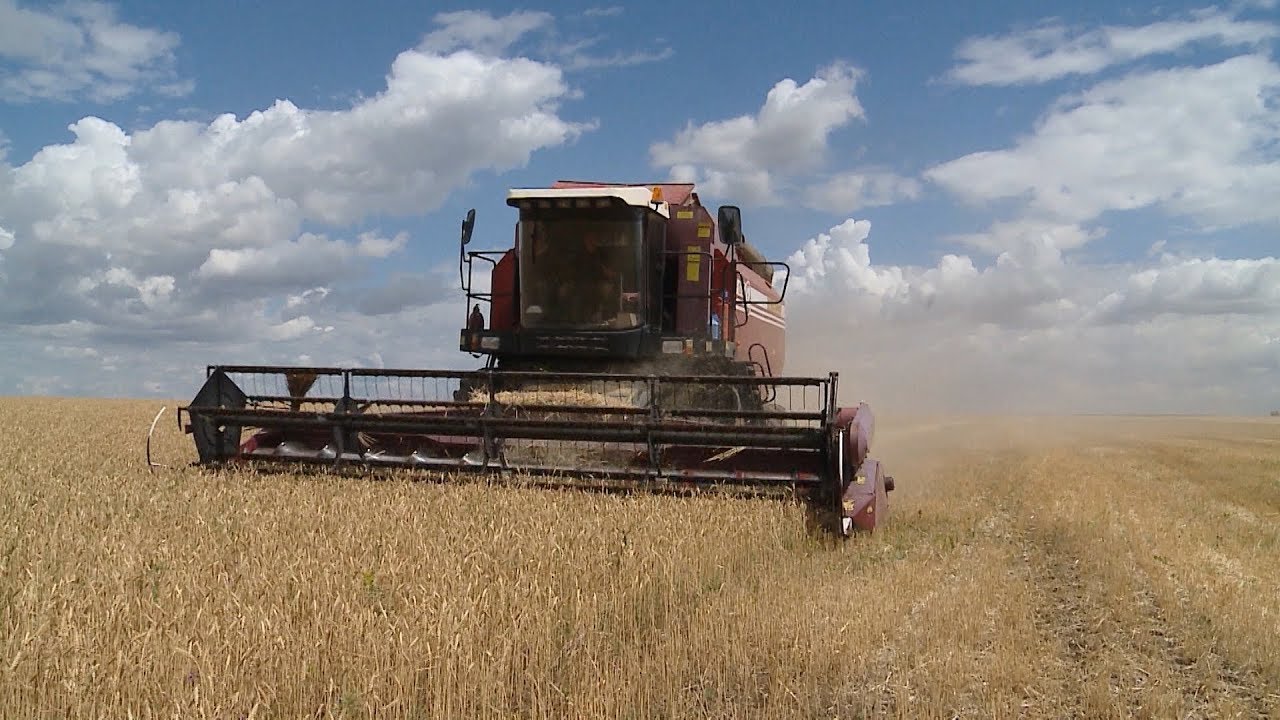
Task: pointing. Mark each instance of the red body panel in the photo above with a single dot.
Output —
(503, 285)
(690, 231)
(760, 329)
(866, 500)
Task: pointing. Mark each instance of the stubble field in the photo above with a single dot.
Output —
(1082, 567)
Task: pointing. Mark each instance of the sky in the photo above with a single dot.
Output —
(985, 207)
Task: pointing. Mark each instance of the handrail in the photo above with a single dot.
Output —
(468, 258)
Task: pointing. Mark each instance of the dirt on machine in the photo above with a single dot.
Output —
(630, 340)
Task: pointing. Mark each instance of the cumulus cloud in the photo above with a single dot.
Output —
(299, 263)
(1021, 287)
(385, 153)
(249, 237)
(294, 328)
(187, 232)
(80, 50)
(1005, 234)
(1195, 287)
(1052, 50)
(750, 157)
(261, 236)
(851, 191)
(1192, 141)
(1034, 330)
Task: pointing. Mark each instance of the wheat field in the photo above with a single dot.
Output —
(1034, 567)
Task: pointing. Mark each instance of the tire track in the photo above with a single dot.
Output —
(1119, 651)
(1234, 688)
(1061, 613)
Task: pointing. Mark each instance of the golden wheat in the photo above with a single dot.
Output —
(1033, 568)
(575, 396)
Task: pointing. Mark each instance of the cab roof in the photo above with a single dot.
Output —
(634, 195)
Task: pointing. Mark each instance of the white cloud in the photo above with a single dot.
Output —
(1198, 142)
(851, 191)
(538, 35)
(1052, 51)
(298, 263)
(749, 157)
(304, 264)
(316, 294)
(295, 328)
(1035, 330)
(481, 31)
(385, 153)
(370, 245)
(150, 292)
(1196, 286)
(1004, 235)
(584, 61)
(1021, 287)
(81, 50)
(187, 238)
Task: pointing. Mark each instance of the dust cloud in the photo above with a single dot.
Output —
(923, 368)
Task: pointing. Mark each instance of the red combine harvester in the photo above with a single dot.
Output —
(633, 342)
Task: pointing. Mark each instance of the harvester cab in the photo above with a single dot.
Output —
(632, 340)
(603, 276)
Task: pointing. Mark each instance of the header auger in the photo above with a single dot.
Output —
(632, 342)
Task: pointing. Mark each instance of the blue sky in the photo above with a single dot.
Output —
(985, 206)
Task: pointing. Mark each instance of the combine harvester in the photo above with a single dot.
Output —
(633, 342)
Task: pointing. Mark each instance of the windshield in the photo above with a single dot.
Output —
(581, 269)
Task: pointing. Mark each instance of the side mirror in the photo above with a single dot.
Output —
(468, 225)
(729, 219)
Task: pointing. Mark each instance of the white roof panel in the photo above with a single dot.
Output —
(631, 195)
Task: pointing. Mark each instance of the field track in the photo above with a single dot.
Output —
(1035, 567)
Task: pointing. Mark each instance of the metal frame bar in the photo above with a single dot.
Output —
(699, 478)
(489, 427)
(567, 377)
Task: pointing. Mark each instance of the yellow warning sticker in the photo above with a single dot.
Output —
(861, 479)
(848, 504)
(704, 231)
(684, 214)
(693, 263)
